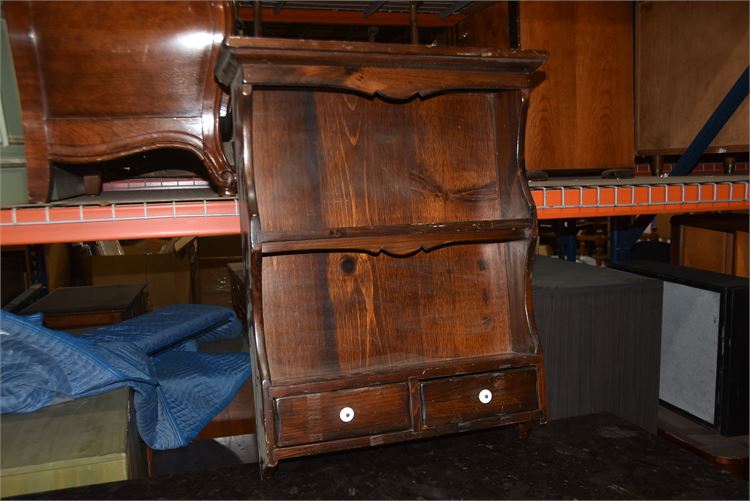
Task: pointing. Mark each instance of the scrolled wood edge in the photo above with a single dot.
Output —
(220, 173)
(399, 84)
(395, 241)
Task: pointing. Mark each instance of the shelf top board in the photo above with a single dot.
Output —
(526, 58)
(393, 70)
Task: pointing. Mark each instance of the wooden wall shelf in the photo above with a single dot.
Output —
(348, 151)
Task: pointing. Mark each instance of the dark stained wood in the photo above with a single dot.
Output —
(433, 161)
(347, 17)
(99, 80)
(399, 240)
(317, 417)
(486, 28)
(387, 227)
(401, 436)
(357, 312)
(427, 370)
(90, 306)
(460, 399)
(238, 288)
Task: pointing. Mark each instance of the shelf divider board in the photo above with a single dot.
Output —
(396, 240)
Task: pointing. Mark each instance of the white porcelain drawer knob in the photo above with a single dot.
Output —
(346, 414)
(485, 396)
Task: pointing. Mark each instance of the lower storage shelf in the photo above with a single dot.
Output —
(415, 407)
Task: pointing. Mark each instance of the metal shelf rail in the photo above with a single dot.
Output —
(560, 199)
(118, 221)
(554, 200)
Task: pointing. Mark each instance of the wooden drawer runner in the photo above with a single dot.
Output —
(320, 417)
(466, 398)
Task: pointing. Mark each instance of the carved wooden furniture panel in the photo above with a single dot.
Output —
(389, 233)
(90, 78)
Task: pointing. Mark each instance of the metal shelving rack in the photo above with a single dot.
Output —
(212, 216)
(641, 195)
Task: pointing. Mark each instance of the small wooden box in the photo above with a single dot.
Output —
(69, 308)
(82, 442)
(239, 291)
(711, 242)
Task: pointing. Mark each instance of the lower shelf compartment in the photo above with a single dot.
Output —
(412, 408)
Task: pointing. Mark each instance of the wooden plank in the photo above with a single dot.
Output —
(399, 240)
(688, 56)
(343, 313)
(581, 116)
(433, 161)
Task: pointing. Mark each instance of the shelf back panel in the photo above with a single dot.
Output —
(353, 161)
(338, 313)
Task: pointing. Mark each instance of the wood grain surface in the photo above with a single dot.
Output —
(456, 400)
(337, 313)
(316, 417)
(337, 180)
(99, 80)
(581, 116)
(487, 27)
(688, 56)
(365, 162)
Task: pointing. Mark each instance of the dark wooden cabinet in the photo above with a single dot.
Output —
(78, 309)
(90, 79)
(388, 235)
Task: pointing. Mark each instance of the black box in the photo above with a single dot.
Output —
(599, 329)
(704, 361)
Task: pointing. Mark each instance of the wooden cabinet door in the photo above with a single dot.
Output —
(581, 116)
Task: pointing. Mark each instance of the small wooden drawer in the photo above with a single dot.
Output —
(466, 398)
(320, 417)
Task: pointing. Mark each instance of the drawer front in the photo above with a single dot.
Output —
(320, 417)
(466, 398)
(65, 321)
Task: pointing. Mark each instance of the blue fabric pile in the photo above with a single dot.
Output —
(177, 389)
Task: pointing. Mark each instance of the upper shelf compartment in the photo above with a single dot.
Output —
(378, 141)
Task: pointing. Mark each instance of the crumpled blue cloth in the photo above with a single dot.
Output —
(177, 389)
